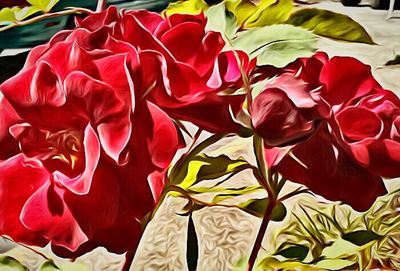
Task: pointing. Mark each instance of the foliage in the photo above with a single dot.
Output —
(248, 14)
(63, 266)
(10, 264)
(331, 237)
(394, 61)
(329, 24)
(17, 14)
(276, 45)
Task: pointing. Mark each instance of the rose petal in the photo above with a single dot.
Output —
(109, 112)
(165, 140)
(276, 118)
(81, 184)
(47, 213)
(19, 179)
(358, 124)
(346, 79)
(331, 173)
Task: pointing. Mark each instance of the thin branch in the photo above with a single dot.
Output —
(68, 11)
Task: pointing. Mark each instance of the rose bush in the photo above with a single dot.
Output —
(344, 154)
(86, 133)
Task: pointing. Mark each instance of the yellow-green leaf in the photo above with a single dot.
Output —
(330, 24)
(271, 263)
(204, 167)
(43, 5)
(186, 7)
(7, 15)
(63, 266)
(267, 12)
(26, 12)
(221, 20)
(10, 264)
(276, 45)
(234, 192)
(333, 264)
(340, 248)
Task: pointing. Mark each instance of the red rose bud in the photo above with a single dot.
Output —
(285, 112)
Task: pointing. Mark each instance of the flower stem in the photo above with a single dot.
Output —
(264, 177)
(260, 235)
(129, 255)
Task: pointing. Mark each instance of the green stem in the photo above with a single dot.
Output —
(260, 235)
(258, 147)
(264, 177)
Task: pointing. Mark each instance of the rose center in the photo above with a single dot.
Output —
(65, 146)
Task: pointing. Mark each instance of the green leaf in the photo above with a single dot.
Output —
(333, 264)
(276, 45)
(298, 252)
(361, 237)
(255, 207)
(329, 24)
(267, 12)
(10, 264)
(204, 167)
(394, 61)
(279, 212)
(258, 207)
(43, 5)
(221, 20)
(49, 266)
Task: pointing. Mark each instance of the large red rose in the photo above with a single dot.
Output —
(85, 134)
(353, 147)
(185, 70)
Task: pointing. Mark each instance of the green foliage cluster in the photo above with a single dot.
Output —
(322, 236)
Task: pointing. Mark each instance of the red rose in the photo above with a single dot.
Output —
(366, 119)
(353, 148)
(184, 70)
(87, 130)
(286, 111)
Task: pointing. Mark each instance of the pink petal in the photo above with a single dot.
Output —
(47, 213)
(20, 178)
(81, 184)
(164, 141)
